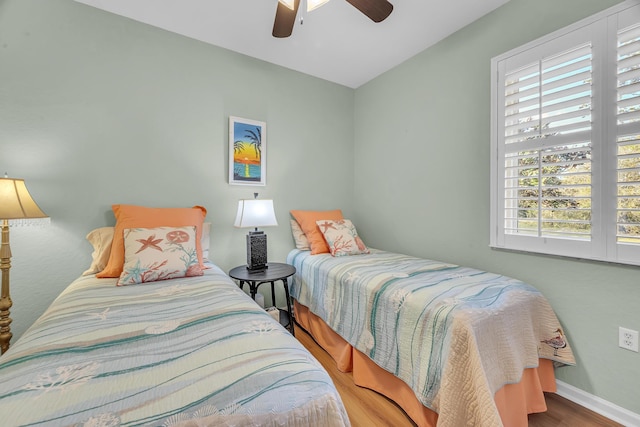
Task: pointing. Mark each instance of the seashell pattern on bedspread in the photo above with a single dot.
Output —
(190, 351)
(455, 335)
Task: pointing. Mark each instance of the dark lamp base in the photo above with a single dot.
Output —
(256, 251)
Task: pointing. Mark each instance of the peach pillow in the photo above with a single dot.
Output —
(307, 221)
(131, 216)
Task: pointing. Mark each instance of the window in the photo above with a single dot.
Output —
(565, 171)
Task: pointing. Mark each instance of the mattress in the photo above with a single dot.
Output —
(190, 351)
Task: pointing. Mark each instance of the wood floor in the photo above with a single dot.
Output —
(366, 408)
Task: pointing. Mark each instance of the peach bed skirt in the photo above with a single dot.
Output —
(514, 401)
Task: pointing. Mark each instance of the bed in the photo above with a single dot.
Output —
(175, 352)
(450, 345)
(152, 343)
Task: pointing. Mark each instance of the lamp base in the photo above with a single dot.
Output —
(5, 298)
(256, 251)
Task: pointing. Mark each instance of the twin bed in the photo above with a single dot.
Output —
(451, 345)
(189, 350)
(179, 352)
(438, 339)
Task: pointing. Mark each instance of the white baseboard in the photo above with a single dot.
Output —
(598, 405)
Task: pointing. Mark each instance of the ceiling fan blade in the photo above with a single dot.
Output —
(376, 10)
(285, 19)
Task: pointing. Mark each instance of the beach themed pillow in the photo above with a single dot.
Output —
(341, 237)
(152, 254)
(102, 238)
(132, 216)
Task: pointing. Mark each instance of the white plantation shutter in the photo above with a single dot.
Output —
(544, 183)
(566, 141)
(628, 143)
(548, 192)
(550, 98)
(547, 141)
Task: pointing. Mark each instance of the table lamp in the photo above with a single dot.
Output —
(256, 213)
(17, 206)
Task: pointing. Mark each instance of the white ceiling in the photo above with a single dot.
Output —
(335, 43)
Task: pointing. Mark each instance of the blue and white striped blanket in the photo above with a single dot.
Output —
(192, 351)
(441, 328)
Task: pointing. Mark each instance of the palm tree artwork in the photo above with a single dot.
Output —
(248, 146)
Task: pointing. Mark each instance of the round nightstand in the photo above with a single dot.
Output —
(275, 272)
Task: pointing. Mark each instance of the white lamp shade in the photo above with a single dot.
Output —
(255, 213)
(16, 202)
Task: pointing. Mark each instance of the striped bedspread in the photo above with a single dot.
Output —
(455, 335)
(181, 352)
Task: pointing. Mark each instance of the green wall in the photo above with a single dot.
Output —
(96, 109)
(422, 187)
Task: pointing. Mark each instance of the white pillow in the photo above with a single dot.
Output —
(205, 241)
(100, 239)
(299, 237)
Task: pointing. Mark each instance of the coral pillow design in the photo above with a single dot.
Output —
(152, 254)
(342, 237)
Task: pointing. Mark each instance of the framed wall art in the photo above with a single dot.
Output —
(247, 151)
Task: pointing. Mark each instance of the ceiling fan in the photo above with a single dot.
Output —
(376, 10)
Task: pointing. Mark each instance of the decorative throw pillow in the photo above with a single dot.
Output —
(101, 239)
(152, 254)
(131, 216)
(301, 240)
(205, 241)
(342, 237)
(307, 221)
